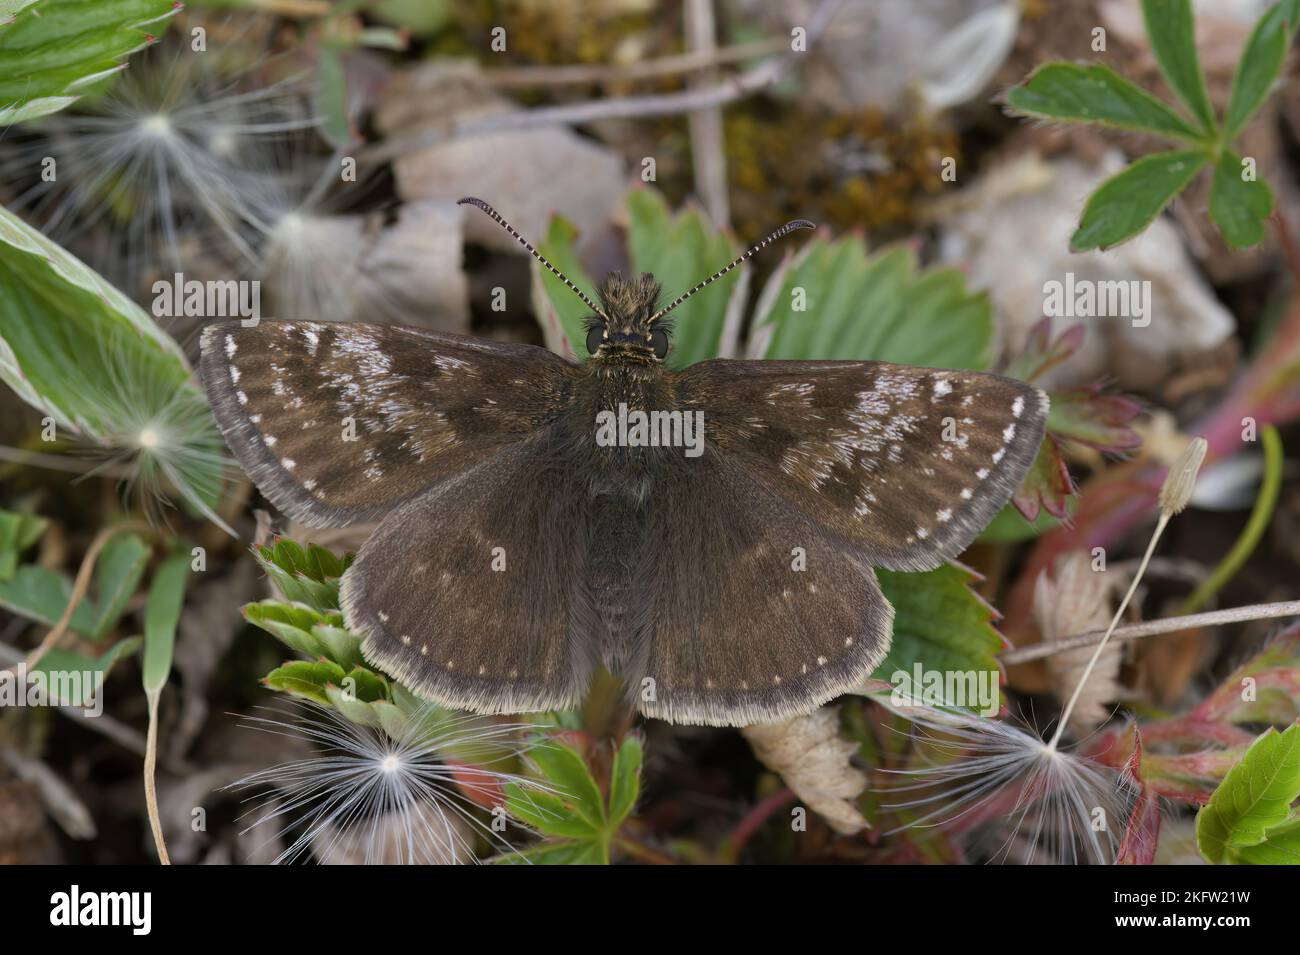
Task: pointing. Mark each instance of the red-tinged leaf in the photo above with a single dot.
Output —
(1100, 421)
(478, 785)
(1047, 483)
(1042, 352)
(1142, 830)
(1265, 689)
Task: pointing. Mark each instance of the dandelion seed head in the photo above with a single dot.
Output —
(1020, 799)
(364, 796)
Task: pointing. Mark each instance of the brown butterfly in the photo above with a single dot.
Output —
(708, 535)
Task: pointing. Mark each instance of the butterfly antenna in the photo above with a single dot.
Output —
(779, 233)
(470, 200)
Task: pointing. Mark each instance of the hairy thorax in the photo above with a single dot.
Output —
(608, 397)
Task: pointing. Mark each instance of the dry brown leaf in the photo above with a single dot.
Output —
(814, 760)
(1073, 600)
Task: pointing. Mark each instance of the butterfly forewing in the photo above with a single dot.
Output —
(906, 464)
(339, 423)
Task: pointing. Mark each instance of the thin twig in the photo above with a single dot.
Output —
(583, 73)
(626, 107)
(708, 149)
(79, 588)
(1150, 628)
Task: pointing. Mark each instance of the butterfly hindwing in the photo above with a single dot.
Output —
(907, 464)
(469, 595)
(753, 612)
(341, 423)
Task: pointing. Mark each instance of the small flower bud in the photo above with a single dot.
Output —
(1181, 479)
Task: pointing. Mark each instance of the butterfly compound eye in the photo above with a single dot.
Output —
(659, 342)
(594, 338)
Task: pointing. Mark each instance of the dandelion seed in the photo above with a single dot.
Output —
(366, 797)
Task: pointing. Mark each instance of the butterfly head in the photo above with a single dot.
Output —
(627, 326)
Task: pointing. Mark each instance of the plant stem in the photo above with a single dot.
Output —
(150, 788)
(1114, 621)
(751, 823)
(1251, 534)
(1150, 628)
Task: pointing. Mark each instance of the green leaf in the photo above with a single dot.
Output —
(555, 853)
(1127, 202)
(1078, 93)
(306, 678)
(58, 661)
(332, 97)
(1258, 68)
(1282, 847)
(548, 814)
(681, 251)
(565, 769)
(40, 594)
(939, 622)
(559, 311)
(1254, 798)
(77, 349)
(1010, 526)
(1238, 206)
(1172, 35)
(834, 301)
(162, 612)
(307, 575)
(118, 570)
(17, 533)
(624, 780)
(55, 49)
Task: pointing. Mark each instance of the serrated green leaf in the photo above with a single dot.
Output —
(833, 301)
(1171, 31)
(1078, 93)
(548, 814)
(17, 533)
(353, 709)
(564, 769)
(1127, 202)
(1282, 847)
(939, 622)
(306, 678)
(80, 351)
(624, 780)
(53, 50)
(340, 645)
(1237, 206)
(1254, 798)
(162, 612)
(681, 251)
(1257, 70)
(118, 570)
